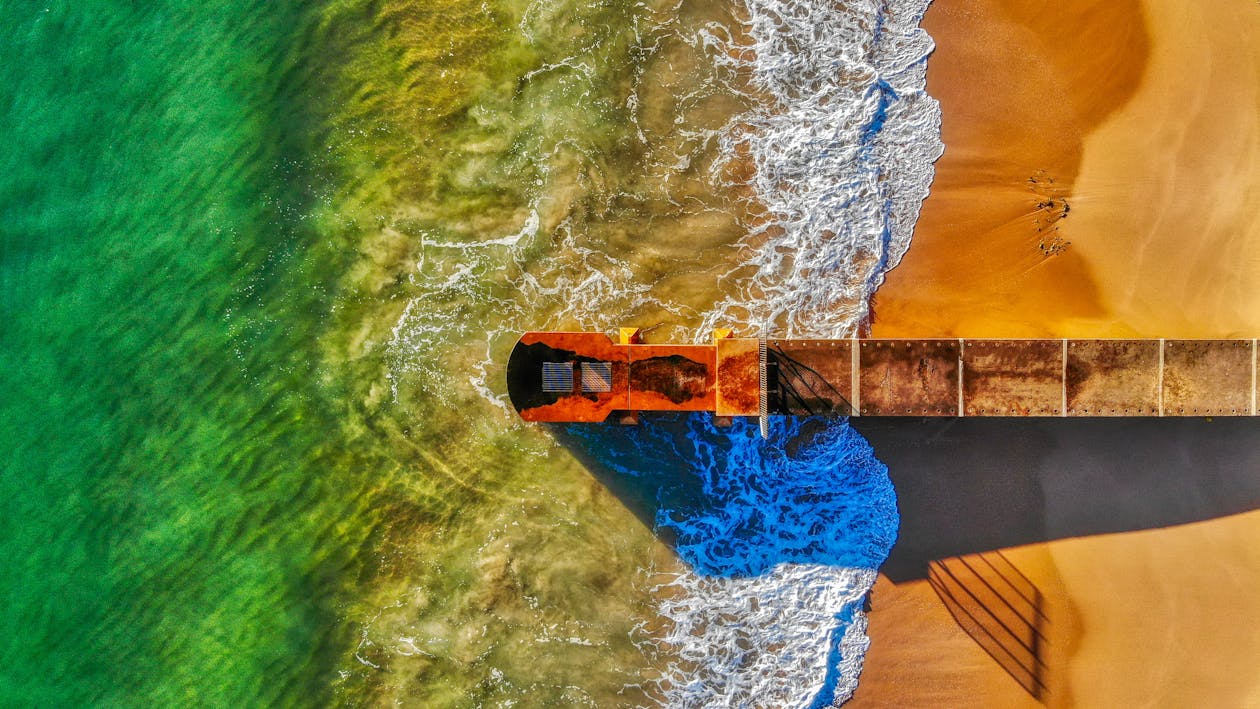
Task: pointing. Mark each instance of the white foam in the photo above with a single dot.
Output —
(762, 641)
(842, 196)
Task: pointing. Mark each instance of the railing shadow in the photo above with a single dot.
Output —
(1001, 609)
(797, 389)
(974, 485)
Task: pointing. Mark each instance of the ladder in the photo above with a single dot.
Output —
(762, 397)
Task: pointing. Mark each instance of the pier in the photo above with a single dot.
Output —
(590, 377)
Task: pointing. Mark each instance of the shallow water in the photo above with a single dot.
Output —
(260, 267)
(180, 507)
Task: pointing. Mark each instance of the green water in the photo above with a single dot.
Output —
(176, 493)
(227, 477)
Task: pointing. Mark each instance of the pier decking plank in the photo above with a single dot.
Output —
(1113, 378)
(738, 377)
(673, 377)
(909, 377)
(814, 376)
(1012, 377)
(1207, 377)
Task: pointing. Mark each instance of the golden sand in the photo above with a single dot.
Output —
(1021, 83)
(1146, 116)
(1169, 190)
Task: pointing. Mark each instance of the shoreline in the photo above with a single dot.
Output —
(1144, 115)
(987, 259)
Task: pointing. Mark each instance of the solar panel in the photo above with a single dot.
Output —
(596, 376)
(557, 377)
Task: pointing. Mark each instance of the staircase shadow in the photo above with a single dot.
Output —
(1002, 611)
(967, 486)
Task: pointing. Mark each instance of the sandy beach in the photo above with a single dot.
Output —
(1100, 177)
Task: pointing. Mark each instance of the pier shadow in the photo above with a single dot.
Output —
(733, 504)
(966, 486)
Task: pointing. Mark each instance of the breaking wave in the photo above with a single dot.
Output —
(843, 144)
(833, 158)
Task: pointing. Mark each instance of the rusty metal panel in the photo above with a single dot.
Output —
(1113, 378)
(1207, 377)
(738, 377)
(524, 375)
(673, 377)
(811, 377)
(597, 377)
(909, 378)
(1012, 377)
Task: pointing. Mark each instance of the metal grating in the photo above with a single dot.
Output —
(596, 376)
(557, 377)
(763, 401)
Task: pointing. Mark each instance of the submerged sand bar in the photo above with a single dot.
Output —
(883, 377)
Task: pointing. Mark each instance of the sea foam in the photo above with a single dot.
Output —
(843, 143)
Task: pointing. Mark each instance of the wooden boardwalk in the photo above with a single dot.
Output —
(882, 377)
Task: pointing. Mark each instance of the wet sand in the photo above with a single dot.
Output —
(1146, 116)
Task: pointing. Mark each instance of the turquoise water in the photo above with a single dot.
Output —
(176, 492)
